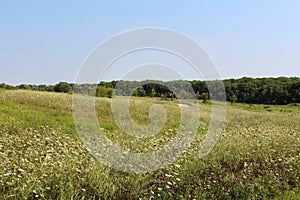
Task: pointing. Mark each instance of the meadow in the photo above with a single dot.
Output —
(42, 157)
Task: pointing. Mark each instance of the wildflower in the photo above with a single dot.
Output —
(178, 166)
(21, 170)
(169, 183)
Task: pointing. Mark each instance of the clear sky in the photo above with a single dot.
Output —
(47, 41)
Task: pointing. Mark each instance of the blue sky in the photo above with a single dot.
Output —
(47, 41)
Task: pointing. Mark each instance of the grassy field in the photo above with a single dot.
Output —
(257, 156)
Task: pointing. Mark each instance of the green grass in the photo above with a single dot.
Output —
(257, 156)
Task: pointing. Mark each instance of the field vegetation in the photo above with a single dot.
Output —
(42, 157)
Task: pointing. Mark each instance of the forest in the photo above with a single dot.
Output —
(281, 90)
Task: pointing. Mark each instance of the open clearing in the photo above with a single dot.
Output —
(257, 156)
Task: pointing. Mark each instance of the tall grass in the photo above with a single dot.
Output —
(41, 156)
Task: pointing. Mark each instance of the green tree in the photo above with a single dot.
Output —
(141, 92)
(63, 87)
(3, 85)
(24, 87)
(233, 99)
(100, 91)
(204, 96)
(153, 93)
(109, 92)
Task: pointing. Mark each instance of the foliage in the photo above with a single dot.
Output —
(281, 90)
(63, 87)
(233, 99)
(204, 96)
(102, 91)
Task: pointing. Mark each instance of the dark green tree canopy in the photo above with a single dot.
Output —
(281, 90)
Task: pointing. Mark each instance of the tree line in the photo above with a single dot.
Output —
(281, 90)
